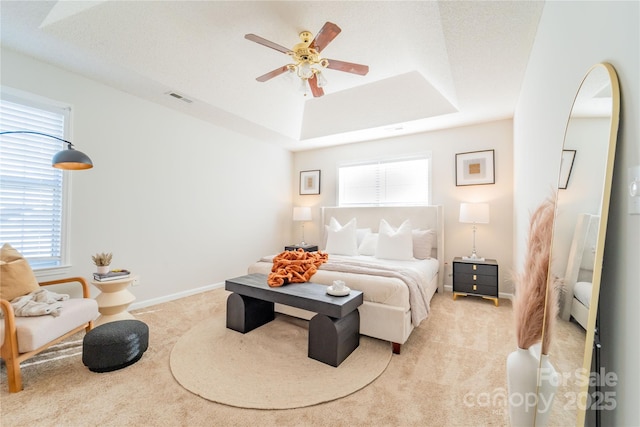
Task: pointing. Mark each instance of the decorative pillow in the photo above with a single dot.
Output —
(369, 244)
(582, 292)
(16, 276)
(361, 233)
(342, 240)
(422, 243)
(395, 244)
(324, 237)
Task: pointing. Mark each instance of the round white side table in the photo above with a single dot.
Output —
(114, 299)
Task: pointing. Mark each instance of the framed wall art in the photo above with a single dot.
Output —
(475, 167)
(566, 164)
(310, 182)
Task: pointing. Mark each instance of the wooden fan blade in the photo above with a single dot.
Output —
(327, 33)
(315, 90)
(348, 67)
(266, 43)
(272, 74)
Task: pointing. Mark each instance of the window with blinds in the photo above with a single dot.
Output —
(385, 183)
(31, 190)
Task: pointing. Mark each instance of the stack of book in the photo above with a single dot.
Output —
(112, 275)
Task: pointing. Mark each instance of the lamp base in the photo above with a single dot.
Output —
(472, 258)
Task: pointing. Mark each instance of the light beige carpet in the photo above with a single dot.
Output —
(268, 368)
(451, 373)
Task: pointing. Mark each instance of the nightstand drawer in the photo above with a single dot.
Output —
(472, 268)
(479, 279)
(306, 248)
(473, 288)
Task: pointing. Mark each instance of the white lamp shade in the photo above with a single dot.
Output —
(474, 213)
(302, 213)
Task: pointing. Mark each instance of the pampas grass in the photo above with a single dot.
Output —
(532, 292)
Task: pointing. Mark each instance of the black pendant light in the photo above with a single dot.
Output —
(69, 159)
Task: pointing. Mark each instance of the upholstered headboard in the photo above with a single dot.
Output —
(421, 217)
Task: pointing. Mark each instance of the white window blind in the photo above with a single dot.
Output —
(384, 183)
(31, 190)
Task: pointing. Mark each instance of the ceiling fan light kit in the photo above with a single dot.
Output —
(308, 63)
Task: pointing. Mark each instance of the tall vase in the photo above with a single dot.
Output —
(549, 381)
(522, 375)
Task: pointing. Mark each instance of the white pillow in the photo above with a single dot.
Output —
(422, 243)
(582, 292)
(395, 244)
(361, 233)
(369, 244)
(341, 240)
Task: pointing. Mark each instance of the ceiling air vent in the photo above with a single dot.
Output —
(180, 97)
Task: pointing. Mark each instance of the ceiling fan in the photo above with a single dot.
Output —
(308, 64)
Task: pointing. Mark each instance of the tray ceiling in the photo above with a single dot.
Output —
(433, 64)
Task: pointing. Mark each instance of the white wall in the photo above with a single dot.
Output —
(493, 240)
(572, 36)
(181, 202)
(590, 138)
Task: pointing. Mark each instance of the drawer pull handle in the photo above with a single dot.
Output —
(475, 267)
(475, 277)
(475, 288)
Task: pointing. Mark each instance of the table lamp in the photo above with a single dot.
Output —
(474, 213)
(302, 214)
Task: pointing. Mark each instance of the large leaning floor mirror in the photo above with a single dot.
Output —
(582, 207)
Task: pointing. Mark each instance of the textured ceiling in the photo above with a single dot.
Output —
(433, 64)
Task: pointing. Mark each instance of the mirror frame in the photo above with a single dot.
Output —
(602, 230)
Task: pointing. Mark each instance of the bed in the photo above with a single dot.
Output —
(397, 286)
(579, 273)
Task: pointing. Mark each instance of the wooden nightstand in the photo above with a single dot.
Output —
(307, 248)
(473, 277)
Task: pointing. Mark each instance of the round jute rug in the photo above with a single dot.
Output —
(268, 368)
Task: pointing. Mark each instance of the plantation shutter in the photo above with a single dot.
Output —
(31, 190)
(385, 183)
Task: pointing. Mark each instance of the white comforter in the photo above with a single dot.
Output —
(415, 274)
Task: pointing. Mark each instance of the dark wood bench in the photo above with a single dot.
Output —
(333, 331)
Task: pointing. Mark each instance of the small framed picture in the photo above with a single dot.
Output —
(310, 182)
(566, 164)
(475, 168)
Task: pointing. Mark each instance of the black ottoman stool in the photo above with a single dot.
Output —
(115, 345)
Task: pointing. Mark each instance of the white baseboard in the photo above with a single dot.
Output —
(167, 298)
(504, 295)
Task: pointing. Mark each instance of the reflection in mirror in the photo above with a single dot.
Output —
(582, 207)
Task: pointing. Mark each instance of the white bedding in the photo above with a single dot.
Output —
(388, 309)
(408, 288)
(428, 268)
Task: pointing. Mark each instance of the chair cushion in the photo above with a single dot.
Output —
(16, 276)
(115, 345)
(34, 332)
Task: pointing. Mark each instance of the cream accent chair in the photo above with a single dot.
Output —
(24, 337)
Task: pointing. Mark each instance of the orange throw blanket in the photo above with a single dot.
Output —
(295, 267)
